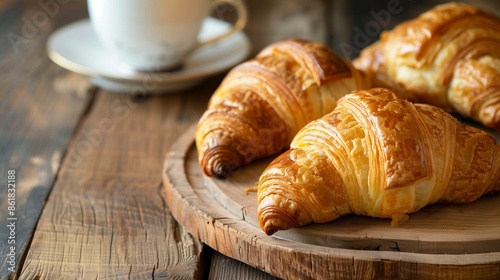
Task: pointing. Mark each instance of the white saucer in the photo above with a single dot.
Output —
(76, 48)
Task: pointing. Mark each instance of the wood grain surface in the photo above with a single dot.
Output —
(223, 267)
(91, 161)
(460, 241)
(41, 105)
(108, 188)
(89, 196)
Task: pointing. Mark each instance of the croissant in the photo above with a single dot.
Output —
(377, 155)
(449, 56)
(262, 103)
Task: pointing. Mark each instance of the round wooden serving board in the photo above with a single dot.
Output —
(450, 241)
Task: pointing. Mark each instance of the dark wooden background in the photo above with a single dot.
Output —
(88, 202)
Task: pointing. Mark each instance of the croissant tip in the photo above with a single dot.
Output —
(221, 170)
(270, 230)
(221, 163)
(271, 225)
(224, 171)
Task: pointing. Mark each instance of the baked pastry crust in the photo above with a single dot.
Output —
(262, 103)
(449, 56)
(376, 155)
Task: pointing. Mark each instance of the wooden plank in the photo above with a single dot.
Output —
(223, 267)
(105, 216)
(40, 108)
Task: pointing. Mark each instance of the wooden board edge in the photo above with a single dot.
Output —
(233, 237)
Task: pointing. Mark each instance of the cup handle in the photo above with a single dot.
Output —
(239, 25)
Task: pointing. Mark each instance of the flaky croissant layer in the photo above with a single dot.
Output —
(377, 155)
(262, 103)
(449, 57)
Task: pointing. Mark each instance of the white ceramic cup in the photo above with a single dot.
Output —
(155, 35)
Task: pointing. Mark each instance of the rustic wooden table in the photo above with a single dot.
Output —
(81, 192)
(87, 165)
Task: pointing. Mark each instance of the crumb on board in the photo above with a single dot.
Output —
(398, 219)
(251, 189)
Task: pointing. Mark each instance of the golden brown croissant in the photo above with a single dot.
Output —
(262, 103)
(449, 57)
(376, 155)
